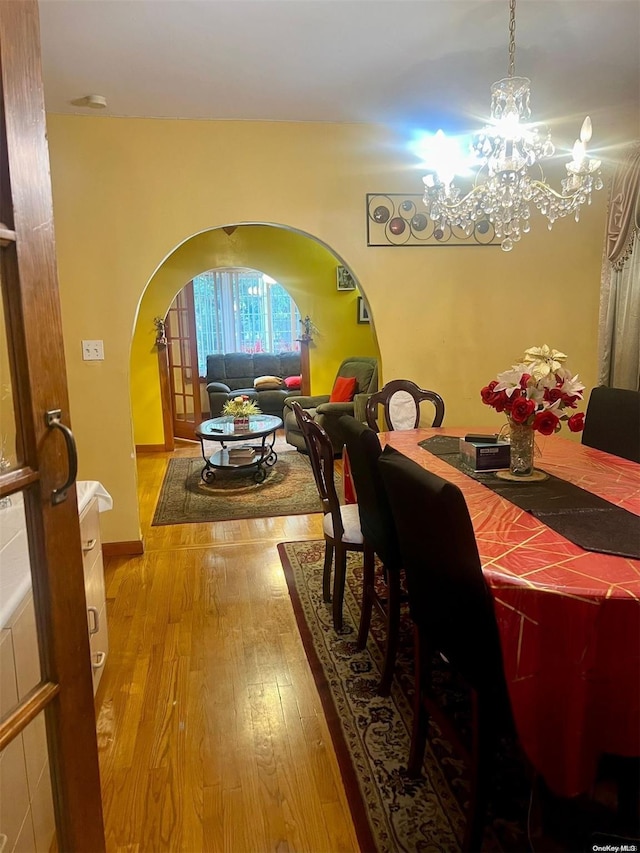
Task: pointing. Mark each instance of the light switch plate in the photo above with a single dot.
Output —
(93, 350)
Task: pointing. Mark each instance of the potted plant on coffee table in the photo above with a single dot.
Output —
(239, 408)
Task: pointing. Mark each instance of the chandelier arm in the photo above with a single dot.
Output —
(479, 189)
(547, 190)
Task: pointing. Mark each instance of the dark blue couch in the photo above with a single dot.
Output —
(233, 373)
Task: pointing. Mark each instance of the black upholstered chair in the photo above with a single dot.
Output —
(378, 529)
(612, 422)
(401, 400)
(452, 611)
(341, 524)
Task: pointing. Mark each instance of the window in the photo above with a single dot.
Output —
(242, 310)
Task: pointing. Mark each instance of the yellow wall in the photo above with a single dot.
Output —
(127, 192)
(303, 266)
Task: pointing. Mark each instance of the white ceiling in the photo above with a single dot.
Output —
(411, 63)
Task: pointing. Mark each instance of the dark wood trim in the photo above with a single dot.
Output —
(17, 721)
(166, 398)
(183, 348)
(16, 480)
(305, 385)
(151, 448)
(38, 378)
(6, 235)
(134, 548)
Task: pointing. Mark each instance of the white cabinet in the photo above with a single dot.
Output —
(94, 588)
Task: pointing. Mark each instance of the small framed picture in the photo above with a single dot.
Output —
(344, 279)
(363, 313)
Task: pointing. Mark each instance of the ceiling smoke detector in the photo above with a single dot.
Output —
(94, 102)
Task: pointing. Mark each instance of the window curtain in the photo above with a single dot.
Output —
(619, 322)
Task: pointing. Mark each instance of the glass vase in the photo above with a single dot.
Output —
(241, 423)
(521, 456)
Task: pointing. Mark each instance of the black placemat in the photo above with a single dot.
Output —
(583, 518)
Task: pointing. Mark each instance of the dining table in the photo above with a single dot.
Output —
(568, 618)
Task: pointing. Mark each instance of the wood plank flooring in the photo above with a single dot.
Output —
(210, 729)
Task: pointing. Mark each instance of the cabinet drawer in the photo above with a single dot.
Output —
(94, 587)
(99, 642)
(90, 534)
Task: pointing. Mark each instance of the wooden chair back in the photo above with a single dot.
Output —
(320, 451)
(401, 400)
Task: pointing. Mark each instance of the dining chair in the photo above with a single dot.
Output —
(612, 422)
(452, 611)
(378, 529)
(341, 524)
(401, 400)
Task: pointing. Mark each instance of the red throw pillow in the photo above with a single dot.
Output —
(343, 389)
(293, 382)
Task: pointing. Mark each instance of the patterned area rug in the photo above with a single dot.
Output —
(371, 734)
(289, 489)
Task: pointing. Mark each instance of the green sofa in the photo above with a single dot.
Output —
(327, 414)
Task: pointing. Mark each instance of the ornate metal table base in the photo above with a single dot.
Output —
(263, 457)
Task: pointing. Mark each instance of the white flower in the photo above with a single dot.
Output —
(535, 393)
(509, 380)
(572, 386)
(541, 361)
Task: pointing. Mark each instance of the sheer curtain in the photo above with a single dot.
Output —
(619, 325)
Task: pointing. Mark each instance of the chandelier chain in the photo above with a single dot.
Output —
(512, 38)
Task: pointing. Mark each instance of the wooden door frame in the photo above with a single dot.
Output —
(38, 374)
(187, 428)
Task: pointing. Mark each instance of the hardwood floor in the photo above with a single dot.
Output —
(210, 729)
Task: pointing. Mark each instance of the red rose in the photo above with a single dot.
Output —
(521, 410)
(524, 379)
(488, 397)
(546, 422)
(570, 401)
(500, 401)
(576, 422)
(552, 394)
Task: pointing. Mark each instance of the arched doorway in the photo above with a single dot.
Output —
(305, 267)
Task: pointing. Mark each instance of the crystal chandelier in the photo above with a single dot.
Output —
(510, 180)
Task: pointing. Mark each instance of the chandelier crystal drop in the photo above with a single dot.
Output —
(509, 182)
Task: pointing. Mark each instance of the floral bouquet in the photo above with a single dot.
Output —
(240, 407)
(536, 391)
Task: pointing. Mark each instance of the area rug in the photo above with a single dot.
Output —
(371, 733)
(289, 489)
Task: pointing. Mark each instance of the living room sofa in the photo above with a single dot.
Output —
(233, 373)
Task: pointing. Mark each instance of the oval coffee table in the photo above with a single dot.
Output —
(251, 454)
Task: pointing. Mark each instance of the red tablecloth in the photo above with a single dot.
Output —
(569, 619)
